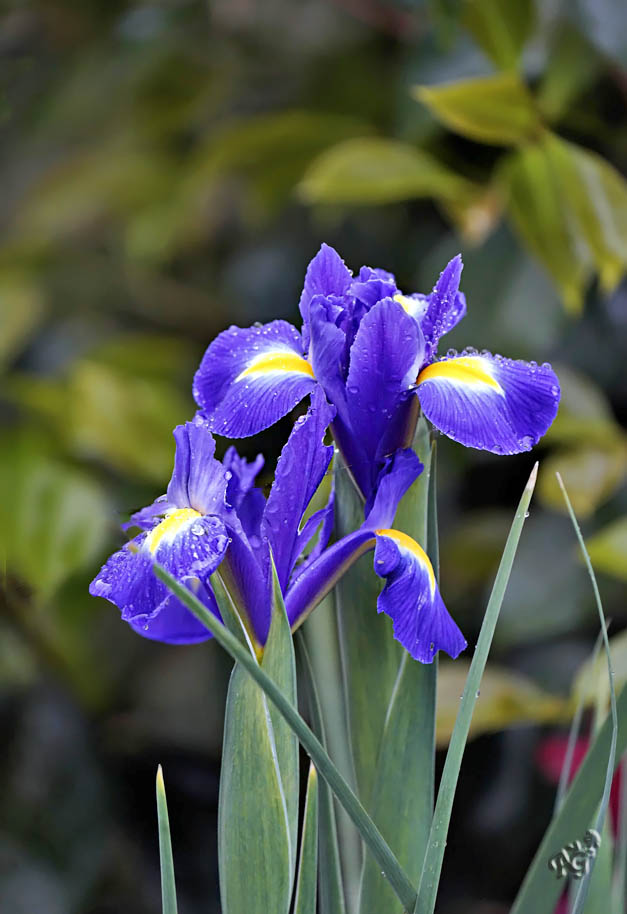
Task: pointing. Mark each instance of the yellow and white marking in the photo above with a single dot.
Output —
(170, 526)
(467, 371)
(413, 306)
(410, 545)
(283, 361)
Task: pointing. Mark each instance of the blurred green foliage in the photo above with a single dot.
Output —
(169, 168)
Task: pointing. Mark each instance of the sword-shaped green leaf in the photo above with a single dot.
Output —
(168, 884)
(371, 835)
(306, 882)
(258, 808)
(402, 799)
(254, 853)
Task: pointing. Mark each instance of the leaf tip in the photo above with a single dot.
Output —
(160, 784)
(531, 482)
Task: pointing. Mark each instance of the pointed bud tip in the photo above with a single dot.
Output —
(160, 783)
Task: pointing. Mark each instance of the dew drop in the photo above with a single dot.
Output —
(198, 530)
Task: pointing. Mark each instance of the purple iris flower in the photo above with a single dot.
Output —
(213, 518)
(373, 351)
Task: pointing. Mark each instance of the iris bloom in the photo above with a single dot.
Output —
(373, 351)
(213, 518)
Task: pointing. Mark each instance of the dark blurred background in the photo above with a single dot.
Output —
(170, 168)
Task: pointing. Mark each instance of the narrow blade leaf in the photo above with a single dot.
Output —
(306, 889)
(331, 890)
(432, 868)
(602, 880)
(168, 885)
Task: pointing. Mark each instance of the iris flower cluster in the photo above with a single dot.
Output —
(367, 358)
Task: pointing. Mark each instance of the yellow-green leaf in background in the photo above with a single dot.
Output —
(584, 413)
(572, 66)
(539, 213)
(108, 179)
(506, 699)
(591, 679)
(498, 109)
(608, 549)
(54, 519)
(500, 27)
(597, 196)
(118, 405)
(373, 170)
(21, 307)
(590, 473)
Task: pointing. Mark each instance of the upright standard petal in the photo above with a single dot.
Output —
(198, 480)
(489, 402)
(372, 285)
(248, 379)
(385, 357)
(190, 547)
(327, 274)
(303, 462)
(411, 598)
(242, 494)
(445, 307)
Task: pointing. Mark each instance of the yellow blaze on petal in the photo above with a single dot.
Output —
(407, 303)
(406, 542)
(472, 370)
(279, 360)
(169, 527)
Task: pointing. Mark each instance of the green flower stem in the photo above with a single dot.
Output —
(312, 746)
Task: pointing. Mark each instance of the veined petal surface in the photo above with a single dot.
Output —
(446, 306)
(249, 378)
(489, 402)
(327, 274)
(190, 547)
(385, 357)
(411, 598)
(198, 479)
(303, 462)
